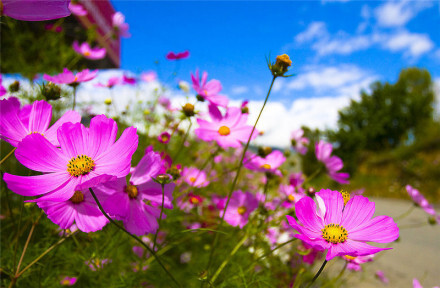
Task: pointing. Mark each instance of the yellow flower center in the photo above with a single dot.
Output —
(75, 79)
(334, 233)
(87, 53)
(348, 257)
(36, 132)
(266, 166)
(78, 197)
(224, 131)
(132, 191)
(192, 179)
(194, 200)
(241, 210)
(346, 196)
(80, 165)
(65, 282)
(291, 198)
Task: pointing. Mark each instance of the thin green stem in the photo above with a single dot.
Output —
(226, 261)
(7, 156)
(311, 177)
(27, 242)
(406, 213)
(160, 218)
(134, 237)
(234, 183)
(318, 273)
(183, 142)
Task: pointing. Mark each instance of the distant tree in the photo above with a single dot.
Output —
(386, 117)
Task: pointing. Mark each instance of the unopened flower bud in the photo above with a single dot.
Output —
(163, 179)
(281, 65)
(188, 110)
(264, 151)
(200, 98)
(50, 91)
(174, 172)
(108, 101)
(14, 87)
(311, 191)
(245, 110)
(184, 86)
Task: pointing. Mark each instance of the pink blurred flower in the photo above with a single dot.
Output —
(16, 124)
(354, 263)
(289, 196)
(81, 208)
(67, 77)
(194, 177)
(111, 82)
(229, 130)
(333, 164)
(381, 275)
(240, 207)
(299, 142)
(68, 281)
(3, 90)
(164, 137)
(189, 201)
(35, 10)
(149, 76)
(77, 9)
(127, 202)
(128, 80)
(96, 264)
(119, 25)
(420, 200)
(177, 56)
(88, 52)
(342, 230)
(296, 180)
(270, 163)
(209, 91)
(416, 284)
(85, 153)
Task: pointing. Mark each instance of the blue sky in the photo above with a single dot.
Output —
(337, 47)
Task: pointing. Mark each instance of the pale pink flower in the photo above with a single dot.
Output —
(77, 9)
(88, 52)
(299, 142)
(209, 91)
(241, 205)
(119, 25)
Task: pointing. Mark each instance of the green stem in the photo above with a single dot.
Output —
(134, 237)
(317, 274)
(183, 142)
(234, 183)
(160, 218)
(226, 261)
(406, 213)
(7, 156)
(311, 177)
(27, 242)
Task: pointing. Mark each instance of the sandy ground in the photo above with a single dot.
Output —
(416, 255)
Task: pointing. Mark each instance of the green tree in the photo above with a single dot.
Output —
(385, 118)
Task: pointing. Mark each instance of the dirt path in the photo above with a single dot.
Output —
(416, 255)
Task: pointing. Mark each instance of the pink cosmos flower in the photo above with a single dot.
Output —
(111, 82)
(342, 230)
(309, 254)
(299, 142)
(381, 275)
(128, 80)
(96, 263)
(16, 124)
(240, 207)
(164, 137)
(177, 56)
(194, 177)
(3, 90)
(229, 130)
(296, 180)
(354, 263)
(68, 281)
(67, 77)
(209, 91)
(149, 76)
(420, 200)
(416, 284)
(77, 9)
(119, 25)
(188, 202)
(85, 153)
(270, 163)
(36, 10)
(88, 52)
(127, 201)
(81, 208)
(289, 196)
(333, 164)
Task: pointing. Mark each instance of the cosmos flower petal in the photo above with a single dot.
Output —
(69, 116)
(74, 139)
(102, 134)
(40, 116)
(36, 185)
(140, 222)
(59, 213)
(357, 248)
(358, 210)
(149, 166)
(309, 216)
(152, 191)
(12, 129)
(334, 204)
(381, 229)
(37, 153)
(89, 218)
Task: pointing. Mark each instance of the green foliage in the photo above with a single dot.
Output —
(385, 118)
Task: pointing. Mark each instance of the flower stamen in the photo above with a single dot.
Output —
(224, 131)
(77, 197)
(132, 191)
(334, 233)
(80, 165)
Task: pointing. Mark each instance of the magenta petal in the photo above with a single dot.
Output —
(149, 166)
(357, 211)
(36, 10)
(60, 213)
(361, 249)
(381, 229)
(117, 204)
(140, 221)
(308, 216)
(35, 185)
(69, 116)
(37, 153)
(74, 140)
(153, 192)
(334, 204)
(11, 127)
(40, 116)
(61, 193)
(89, 218)
(102, 134)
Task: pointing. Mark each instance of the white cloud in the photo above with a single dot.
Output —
(238, 90)
(316, 30)
(412, 44)
(398, 13)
